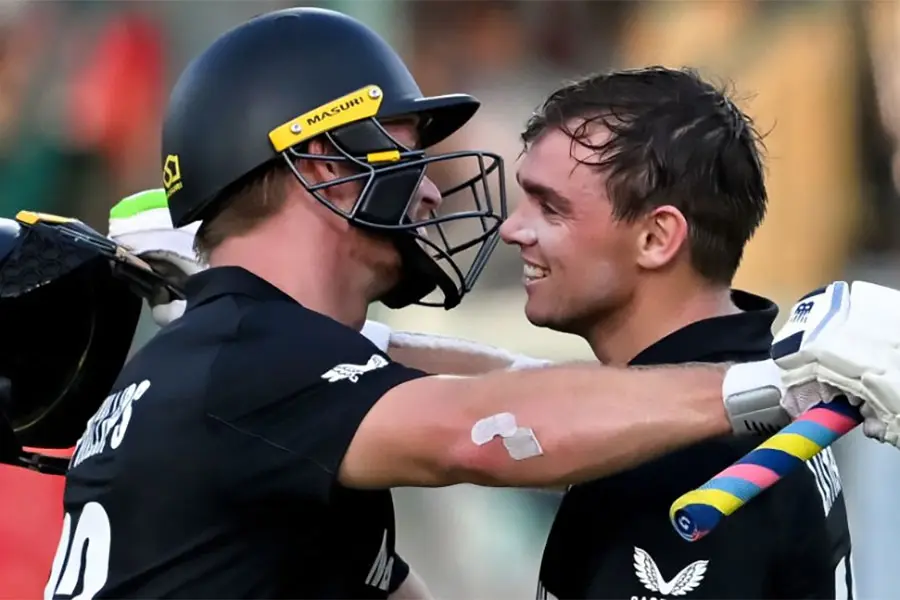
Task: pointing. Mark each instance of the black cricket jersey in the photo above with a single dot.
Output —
(612, 538)
(211, 469)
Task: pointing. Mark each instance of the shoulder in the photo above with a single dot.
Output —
(295, 327)
(280, 350)
(281, 338)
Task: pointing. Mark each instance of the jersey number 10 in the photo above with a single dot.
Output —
(92, 528)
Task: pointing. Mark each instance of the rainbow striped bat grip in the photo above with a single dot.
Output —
(697, 512)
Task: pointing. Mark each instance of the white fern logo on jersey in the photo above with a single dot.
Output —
(688, 579)
(353, 372)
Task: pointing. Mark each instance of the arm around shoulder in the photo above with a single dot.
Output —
(588, 421)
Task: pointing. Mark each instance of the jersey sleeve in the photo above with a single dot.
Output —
(291, 391)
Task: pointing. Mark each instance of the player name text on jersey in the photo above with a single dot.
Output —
(112, 418)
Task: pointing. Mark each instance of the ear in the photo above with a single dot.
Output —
(661, 237)
(317, 171)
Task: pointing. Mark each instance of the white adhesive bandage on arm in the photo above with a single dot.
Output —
(520, 442)
(450, 357)
(752, 393)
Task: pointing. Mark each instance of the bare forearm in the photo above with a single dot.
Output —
(590, 421)
(590, 425)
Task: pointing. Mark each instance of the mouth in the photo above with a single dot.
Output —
(532, 273)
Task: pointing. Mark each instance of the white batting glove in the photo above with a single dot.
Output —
(142, 223)
(845, 340)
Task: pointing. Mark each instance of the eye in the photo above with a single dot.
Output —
(547, 208)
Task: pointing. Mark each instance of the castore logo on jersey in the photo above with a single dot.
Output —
(647, 572)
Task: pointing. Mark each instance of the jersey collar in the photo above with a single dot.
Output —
(214, 282)
(742, 336)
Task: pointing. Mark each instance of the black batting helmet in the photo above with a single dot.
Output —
(70, 300)
(264, 89)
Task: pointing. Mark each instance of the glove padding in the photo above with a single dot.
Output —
(843, 340)
(141, 222)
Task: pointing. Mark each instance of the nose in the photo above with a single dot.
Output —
(514, 230)
(428, 198)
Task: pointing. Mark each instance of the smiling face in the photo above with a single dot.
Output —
(672, 191)
(580, 262)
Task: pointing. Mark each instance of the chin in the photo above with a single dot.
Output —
(555, 319)
(541, 316)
